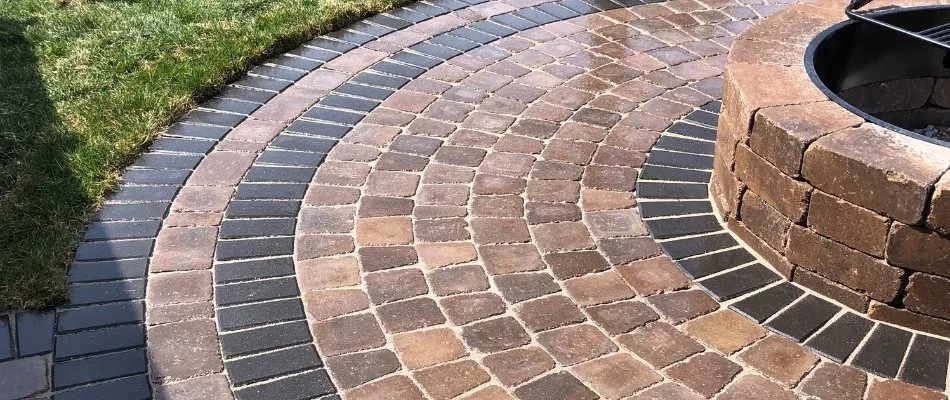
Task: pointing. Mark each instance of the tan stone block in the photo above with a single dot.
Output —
(749, 87)
(781, 134)
(893, 389)
(327, 273)
(425, 348)
(939, 217)
(725, 330)
(383, 231)
(884, 171)
(435, 255)
(323, 304)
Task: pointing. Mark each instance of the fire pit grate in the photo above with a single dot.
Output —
(936, 35)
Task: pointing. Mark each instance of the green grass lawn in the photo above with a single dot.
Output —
(85, 85)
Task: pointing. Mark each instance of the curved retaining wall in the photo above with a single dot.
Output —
(848, 208)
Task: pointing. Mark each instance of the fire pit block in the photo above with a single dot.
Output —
(821, 166)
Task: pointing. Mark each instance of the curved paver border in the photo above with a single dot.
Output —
(680, 213)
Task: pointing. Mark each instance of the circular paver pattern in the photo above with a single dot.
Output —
(438, 202)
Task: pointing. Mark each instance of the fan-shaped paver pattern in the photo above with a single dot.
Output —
(397, 212)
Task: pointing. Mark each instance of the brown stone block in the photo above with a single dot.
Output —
(683, 305)
(893, 389)
(509, 258)
(352, 370)
(179, 287)
(222, 168)
(327, 220)
(849, 297)
(324, 304)
(847, 223)
(622, 317)
(178, 313)
(706, 373)
(889, 173)
(424, 348)
(182, 350)
(435, 255)
(495, 335)
(764, 221)
(755, 387)
(781, 134)
(557, 385)
(455, 280)
(574, 344)
(347, 334)
(409, 315)
(519, 365)
(903, 317)
(775, 259)
(549, 312)
(395, 386)
(208, 387)
(599, 288)
(787, 195)
(654, 275)
(660, 344)
(844, 265)
(627, 250)
(919, 249)
(596, 199)
(466, 308)
(729, 134)
(393, 285)
(939, 217)
(725, 189)
(928, 294)
(617, 376)
(835, 381)
(204, 199)
(313, 246)
(451, 380)
(184, 248)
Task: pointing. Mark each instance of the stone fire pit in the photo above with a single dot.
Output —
(830, 185)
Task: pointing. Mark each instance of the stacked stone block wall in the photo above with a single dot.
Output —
(850, 209)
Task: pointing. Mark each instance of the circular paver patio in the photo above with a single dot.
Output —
(441, 202)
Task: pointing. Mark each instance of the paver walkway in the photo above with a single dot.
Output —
(361, 218)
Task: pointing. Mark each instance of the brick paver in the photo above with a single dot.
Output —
(396, 226)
